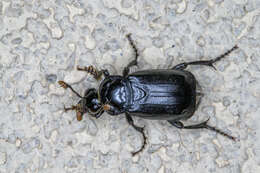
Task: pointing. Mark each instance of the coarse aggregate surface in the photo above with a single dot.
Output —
(43, 41)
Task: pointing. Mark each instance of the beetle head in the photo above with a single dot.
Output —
(88, 104)
(92, 101)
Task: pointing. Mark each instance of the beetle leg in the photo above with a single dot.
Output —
(92, 70)
(134, 62)
(199, 96)
(184, 65)
(139, 129)
(202, 125)
(70, 108)
(112, 110)
(65, 86)
(177, 124)
(97, 114)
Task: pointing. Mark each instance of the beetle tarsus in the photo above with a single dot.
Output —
(143, 146)
(133, 46)
(65, 86)
(206, 126)
(209, 63)
(225, 54)
(139, 129)
(220, 132)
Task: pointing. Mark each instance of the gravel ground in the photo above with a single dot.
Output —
(42, 41)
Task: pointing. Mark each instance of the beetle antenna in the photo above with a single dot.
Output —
(65, 86)
(70, 108)
(93, 71)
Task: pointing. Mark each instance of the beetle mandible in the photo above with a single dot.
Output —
(166, 94)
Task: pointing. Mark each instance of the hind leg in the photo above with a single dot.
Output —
(209, 63)
(202, 125)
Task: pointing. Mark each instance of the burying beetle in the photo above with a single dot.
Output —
(151, 94)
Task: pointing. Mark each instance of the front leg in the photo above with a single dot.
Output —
(97, 114)
(139, 129)
(92, 70)
(134, 62)
(112, 110)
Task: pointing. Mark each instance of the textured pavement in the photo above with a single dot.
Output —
(43, 41)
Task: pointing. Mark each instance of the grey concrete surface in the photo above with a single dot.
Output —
(42, 41)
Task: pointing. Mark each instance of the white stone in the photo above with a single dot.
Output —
(3, 158)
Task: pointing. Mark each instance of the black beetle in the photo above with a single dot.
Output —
(152, 94)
